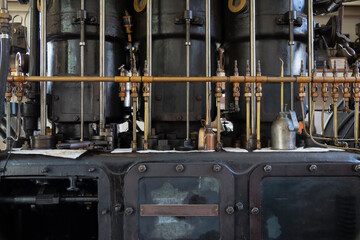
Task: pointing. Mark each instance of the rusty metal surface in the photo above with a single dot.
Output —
(179, 210)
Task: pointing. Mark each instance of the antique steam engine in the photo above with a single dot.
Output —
(181, 119)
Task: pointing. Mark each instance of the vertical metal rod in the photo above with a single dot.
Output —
(291, 44)
(134, 142)
(43, 85)
(356, 123)
(310, 47)
(208, 58)
(8, 125)
(187, 44)
(3, 5)
(149, 56)
(253, 63)
(102, 66)
(335, 120)
(82, 66)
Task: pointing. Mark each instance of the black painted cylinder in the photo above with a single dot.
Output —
(63, 51)
(272, 37)
(169, 59)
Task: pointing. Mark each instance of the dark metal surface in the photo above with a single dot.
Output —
(240, 175)
(169, 100)
(271, 44)
(63, 54)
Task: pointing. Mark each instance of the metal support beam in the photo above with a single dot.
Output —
(43, 85)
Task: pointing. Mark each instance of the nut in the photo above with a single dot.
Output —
(180, 168)
(230, 210)
(357, 168)
(129, 211)
(216, 168)
(142, 168)
(255, 211)
(312, 168)
(267, 168)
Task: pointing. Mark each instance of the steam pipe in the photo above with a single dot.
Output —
(253, 63)
(34, 40)
(102, 66)
(43, 85)
(149, 57)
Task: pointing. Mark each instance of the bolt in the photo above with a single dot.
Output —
(239, 206)
(129, 211)
(76, 118)
(179, 118)
(357, 168)
(104, 212)
(45, 170)
(267, 168)
(230, 210)
(180, 168)
(312, 168)
(216, 168)
(255, 211)
(118, 207)
(92, 169)
(142, 168)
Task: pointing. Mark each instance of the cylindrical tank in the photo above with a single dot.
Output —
(272, 37)
(169, 59)
(63, 51)
(283, 135)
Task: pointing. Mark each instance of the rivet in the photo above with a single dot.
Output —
(239, 206)
(357, 168)
(92, 169)
(45, 170)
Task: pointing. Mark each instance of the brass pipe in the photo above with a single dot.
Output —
(218, 95)
(146, 95)
(356, 133)
(322, 119)
(247, 97)
(258, 95)
(214, 79)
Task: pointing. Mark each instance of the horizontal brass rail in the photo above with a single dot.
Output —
(214, 79)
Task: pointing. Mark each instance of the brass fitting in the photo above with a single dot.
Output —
(302, 91)
(236, 88)
(9, 89)
(314, 87)
(127, 19)
(324, 88)
(346, 90)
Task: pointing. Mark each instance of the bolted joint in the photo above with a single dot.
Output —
(357, 168)
(255, 211)
(81, 15)
(230, 210)
(142, 168)
(312, 168)
(267, 168)
(129, 211)
(180, 168)
(216, 168)
(188, 15)
(4, 22)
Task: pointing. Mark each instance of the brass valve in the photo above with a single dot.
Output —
(335, 86)
(302, 93)
(258, 93)
(19, 90)
(127, 19)
(218, 88)
(314, 87)
(236, 88)
(324, 88)
(356, 89)
(122, 85)
(9, 89)
(247, 84)
(346, 90)
(146, 86)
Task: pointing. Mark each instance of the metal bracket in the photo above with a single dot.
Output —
(82, 15)
(198, 21)
(285, 18)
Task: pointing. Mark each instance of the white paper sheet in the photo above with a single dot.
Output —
(62, 153)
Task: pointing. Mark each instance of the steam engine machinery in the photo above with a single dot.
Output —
(181, 119)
